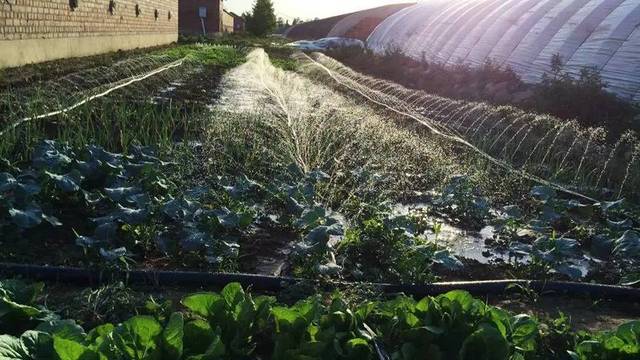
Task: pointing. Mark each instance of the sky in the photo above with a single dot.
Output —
(310, 9)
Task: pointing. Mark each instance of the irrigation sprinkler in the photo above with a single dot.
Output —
(537, 140)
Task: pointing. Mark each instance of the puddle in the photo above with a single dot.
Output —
(470, 244)
(463, 243)
(467, 244)
(267, 253)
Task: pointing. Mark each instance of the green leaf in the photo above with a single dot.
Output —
(285, 318)
(628, 244)
(463, 298)
(543, 193)
(72, 350)
(7, 182)
(12, 348)
(486, 343)
(197, 337)
(68, 183)
(20, 292)
(311, 217)
(100, 331)
(32, 345)
(447, 260)
(65, 329)
(122, 193)
(139, 338)
(113, 254)
(215, 351)
(28, 218)
(587, 348)
(233, 294)
(16, 305)
(358, 348)
(525, 333)
(12, 313)
(204, 304)
(172, 337)
(131, 216)
(227, 218)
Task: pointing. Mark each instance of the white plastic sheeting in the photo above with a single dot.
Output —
(523, 34)
(360, 24)
(326, 43)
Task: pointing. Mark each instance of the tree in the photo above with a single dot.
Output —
(262, 20)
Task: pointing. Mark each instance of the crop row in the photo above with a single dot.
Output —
(233, 324)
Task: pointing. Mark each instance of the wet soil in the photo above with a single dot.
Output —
(267, 253)
(584, 313)
(199, 86)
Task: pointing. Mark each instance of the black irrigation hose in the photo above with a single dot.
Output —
(186, 279)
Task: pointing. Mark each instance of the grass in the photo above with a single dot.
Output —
(224, 56)
(286, 64)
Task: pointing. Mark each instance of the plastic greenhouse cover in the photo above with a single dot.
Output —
(510, 18)
(398, 29)
(505, 48)
(326, 43)
(450, 26)
(573, 34)
(522, 59)
(344, 26)
(524, 34)
(424, 40)
(607, 38)
(476, 30)
(622, 72)
(384, 30)
(464, 28)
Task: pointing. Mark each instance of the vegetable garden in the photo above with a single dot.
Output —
(215, 159)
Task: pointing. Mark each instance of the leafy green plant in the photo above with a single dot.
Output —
(623, 343)
(233, 324)
(392, 249)
(459, 200)
(307, 330)
(235, 318)
(18, 306)
(32, 345)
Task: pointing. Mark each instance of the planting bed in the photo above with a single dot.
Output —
(228, 163)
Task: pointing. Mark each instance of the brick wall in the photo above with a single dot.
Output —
(40, 30)
(190, 23)
(30, 19)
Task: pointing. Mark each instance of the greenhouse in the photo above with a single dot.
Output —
(524, 35)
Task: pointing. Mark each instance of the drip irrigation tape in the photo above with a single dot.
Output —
(112, 87)
(454, 138)
(188, 279)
